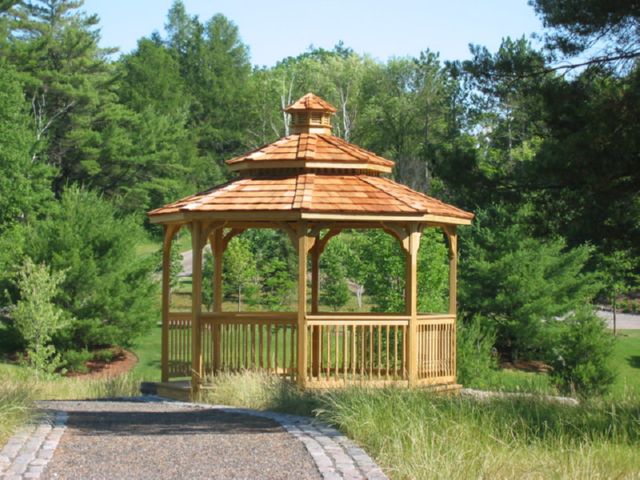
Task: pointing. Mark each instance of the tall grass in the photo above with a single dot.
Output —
(15, 408)
(414, 435)
(19, 390)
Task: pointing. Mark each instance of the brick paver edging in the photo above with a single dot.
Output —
(335, 455)
(27, 453)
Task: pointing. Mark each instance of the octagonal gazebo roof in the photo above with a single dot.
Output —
(311, 174)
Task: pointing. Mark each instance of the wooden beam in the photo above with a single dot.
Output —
(291, 231)
(169, 233)
(196, 308)
(296, 215)
(326, 237)
(399, 232)
(411, 291)
(234, 232)
(302, 235)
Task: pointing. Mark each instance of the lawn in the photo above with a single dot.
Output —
(626, 358)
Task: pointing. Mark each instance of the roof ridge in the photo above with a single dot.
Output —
(365, 178)
(428, 197)
(309, 141)
(231, 185)
(297, 196)
(309, 182)
(350, 148)
(329, 139)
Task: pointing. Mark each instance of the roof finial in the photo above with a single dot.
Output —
(311, 114)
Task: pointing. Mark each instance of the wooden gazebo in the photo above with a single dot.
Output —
(312, 185)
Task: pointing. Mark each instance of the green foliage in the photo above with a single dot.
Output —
(239, 272)
(75, 360)
(278, 287)
(108, 289)
(519, 282)
(55, 47)
(37, 317)
(334, 290)
(383, 265)
(581, 356)
(476, 357)
(24, 179)
(610, 27)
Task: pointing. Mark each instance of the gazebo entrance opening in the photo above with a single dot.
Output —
(312, 186)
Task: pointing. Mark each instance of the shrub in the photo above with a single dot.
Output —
(106, 354)
(108, 289)
(75, 360)
(581, 356)
(35, 315)
(520, 282)
(475, 355)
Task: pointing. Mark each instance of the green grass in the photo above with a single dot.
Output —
(414, 435)
(626, 359)
(148, 349)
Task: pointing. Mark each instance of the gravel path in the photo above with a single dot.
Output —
(152, 437)
(141, 440)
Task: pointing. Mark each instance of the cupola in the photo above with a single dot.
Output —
(311, 114)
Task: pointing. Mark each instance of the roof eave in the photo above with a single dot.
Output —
(293, 215)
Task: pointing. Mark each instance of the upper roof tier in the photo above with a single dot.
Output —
(311, 151)
(311, 145)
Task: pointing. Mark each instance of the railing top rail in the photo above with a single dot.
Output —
(350, 316)
(436, 316)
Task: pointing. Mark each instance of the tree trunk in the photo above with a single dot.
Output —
(615, 304)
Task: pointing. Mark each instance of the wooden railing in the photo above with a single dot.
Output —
(436, 348)
(342, 348)
(347, 348)
(235, 341)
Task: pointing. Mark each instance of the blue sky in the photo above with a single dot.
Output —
(276, 29)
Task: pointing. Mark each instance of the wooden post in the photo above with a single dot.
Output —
(217, 249)
(452, 237)
(315, 292)
(302, 304)
(169, 232)
(453, 270)
(411, 289)
(196, 307)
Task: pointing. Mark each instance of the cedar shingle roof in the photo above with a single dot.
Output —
(314, 173)
(315, 193)
(311, 150)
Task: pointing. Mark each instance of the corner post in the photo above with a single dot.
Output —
(452, 237)
(169, 231)
(315, 295)
(196, 307)
(302, 237)
(217, 248)
(411, 290)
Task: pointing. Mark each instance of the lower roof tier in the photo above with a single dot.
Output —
(313, 193)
